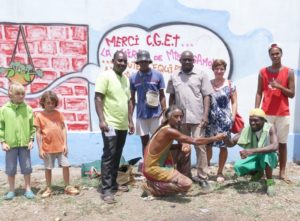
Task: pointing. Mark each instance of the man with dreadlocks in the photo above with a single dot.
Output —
(163, 160)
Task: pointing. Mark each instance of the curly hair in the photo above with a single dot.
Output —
(50, 95)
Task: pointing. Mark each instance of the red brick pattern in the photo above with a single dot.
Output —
(57, 50)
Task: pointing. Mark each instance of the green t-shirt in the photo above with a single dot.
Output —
(116, 93)
(16, 124)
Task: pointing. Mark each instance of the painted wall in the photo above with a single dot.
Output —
(72, 41)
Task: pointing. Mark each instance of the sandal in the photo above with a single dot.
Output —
(109, 199)
(70, 190)
(47, 192)
(29, 195)
(123, 188)
(10, 195)
(286, 180)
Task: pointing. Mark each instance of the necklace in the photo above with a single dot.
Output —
(218, 84)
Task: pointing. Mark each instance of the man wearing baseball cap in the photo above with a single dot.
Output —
(149, 86)
(276, 84)
(259, 143)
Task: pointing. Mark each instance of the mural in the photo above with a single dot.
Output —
(65, 48)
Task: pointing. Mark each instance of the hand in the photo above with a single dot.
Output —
(221, 136)
(42, 154)
(131, 128)
(186, 148)
(5, 146)
(232, 119)
(66, 151)
(103, 126)
(204, 122)
(30, 145)
(245, 153)
(275, 84)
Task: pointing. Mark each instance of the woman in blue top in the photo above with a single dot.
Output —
(222, 114)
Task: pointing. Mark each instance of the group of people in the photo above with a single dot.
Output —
(18, 126)
(201, 112)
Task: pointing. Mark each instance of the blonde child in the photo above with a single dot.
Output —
(52, 141)
(16, 137)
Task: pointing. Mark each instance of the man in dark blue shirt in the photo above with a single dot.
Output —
(149, 85)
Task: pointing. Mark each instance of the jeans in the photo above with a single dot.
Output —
(112, 152)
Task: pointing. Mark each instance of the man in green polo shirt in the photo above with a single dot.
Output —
(112, 96)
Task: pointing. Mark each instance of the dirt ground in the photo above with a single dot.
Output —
(236, 199)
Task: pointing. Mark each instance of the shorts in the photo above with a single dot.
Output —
(11, 158)
(282, 125)
(147, 126)
(49, 161)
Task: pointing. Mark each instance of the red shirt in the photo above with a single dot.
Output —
(275, 102)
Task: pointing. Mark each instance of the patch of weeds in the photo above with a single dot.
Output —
(69, 200)
(87, 182)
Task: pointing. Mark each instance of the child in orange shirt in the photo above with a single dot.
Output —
(51, 137)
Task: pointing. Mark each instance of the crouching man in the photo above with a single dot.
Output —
(259, 143)
(164, 162)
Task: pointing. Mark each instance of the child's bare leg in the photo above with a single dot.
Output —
(48, 175)
(27, 182)
(11, 183)
(66, 175)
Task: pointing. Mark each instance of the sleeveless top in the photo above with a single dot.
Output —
(160, 166)
(219, 117)
(275, 102)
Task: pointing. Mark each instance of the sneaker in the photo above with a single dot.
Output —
(270, 187)
(29, 195)
(47, 192)
(109, 199)
(9, 196)
(70, 190)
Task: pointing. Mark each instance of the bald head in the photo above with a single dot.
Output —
(187, 61)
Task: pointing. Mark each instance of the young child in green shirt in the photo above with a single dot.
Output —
(16, 137)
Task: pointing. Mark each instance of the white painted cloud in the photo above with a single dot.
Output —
(96, 13)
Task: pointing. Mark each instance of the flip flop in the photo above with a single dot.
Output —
(9, 196)
(286, 180)
(70, 190)
(29, 195)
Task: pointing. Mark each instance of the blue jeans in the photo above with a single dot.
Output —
(112, 152)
